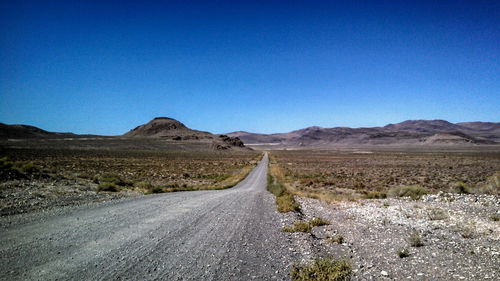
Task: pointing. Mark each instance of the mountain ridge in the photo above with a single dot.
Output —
(412, 132)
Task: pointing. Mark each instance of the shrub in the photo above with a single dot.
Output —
(284, 200)
(415, 240)
(375, 195)
(466, 231)
(461, 187)
(276, 189)
(323, 269)
(437, 214)
(29, 168)
(299, 226)
(114, 179)
(413, 191)
(8, 170)
(495, 217)
(5, 164)
(318, 222)
(286, 203)
(107, 186)
(403, 253)
(339, 239)
(157, 189)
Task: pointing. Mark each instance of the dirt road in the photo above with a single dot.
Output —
(229, 234)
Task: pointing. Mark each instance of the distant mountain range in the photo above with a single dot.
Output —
(158, 129)
(411, 132)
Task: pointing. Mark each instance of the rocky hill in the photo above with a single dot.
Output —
(160, 133)
(411, 132)
(171, 129)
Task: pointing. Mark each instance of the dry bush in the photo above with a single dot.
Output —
(323, 269)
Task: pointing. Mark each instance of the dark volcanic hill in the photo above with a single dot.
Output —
(171, 129)
(411, 132)
(164, 127)
(160, 133)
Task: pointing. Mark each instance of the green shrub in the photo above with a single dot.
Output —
(412, 191)
(325, 269)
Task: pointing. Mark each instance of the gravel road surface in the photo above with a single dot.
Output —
(228, 234)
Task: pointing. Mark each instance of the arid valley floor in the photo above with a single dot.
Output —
(364, 213)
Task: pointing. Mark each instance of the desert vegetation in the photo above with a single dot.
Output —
(323, 269)
(28, 176)
(332, 175)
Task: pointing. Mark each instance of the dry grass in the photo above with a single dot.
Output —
(339, 239)
(335, 176)
(285, 201)
(319, 222)
(144, 171)
(299, 226)
(323, 269)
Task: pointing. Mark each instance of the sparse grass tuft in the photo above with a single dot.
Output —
(318, 222)
(403, 253)
(323, 269)
(339, 239)
(114, 179)
(413, 191)
(299, 226)
(466, 231)
(286, 203)
(29, 168)
(415, 240)
(437, 214)
(107, 186)
(375, 195)
(284, 199)
(461, 187)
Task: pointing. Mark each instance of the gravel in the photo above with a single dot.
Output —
(201, 235)
(459, 233)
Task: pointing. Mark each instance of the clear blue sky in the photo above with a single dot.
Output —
(262, 66)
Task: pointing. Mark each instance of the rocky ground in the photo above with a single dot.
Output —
(460, 236)
(24, 196)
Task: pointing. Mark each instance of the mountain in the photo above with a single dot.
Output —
(410, 132)
(164, 127)
(27, 132)
(171, 129)
(160, 133)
